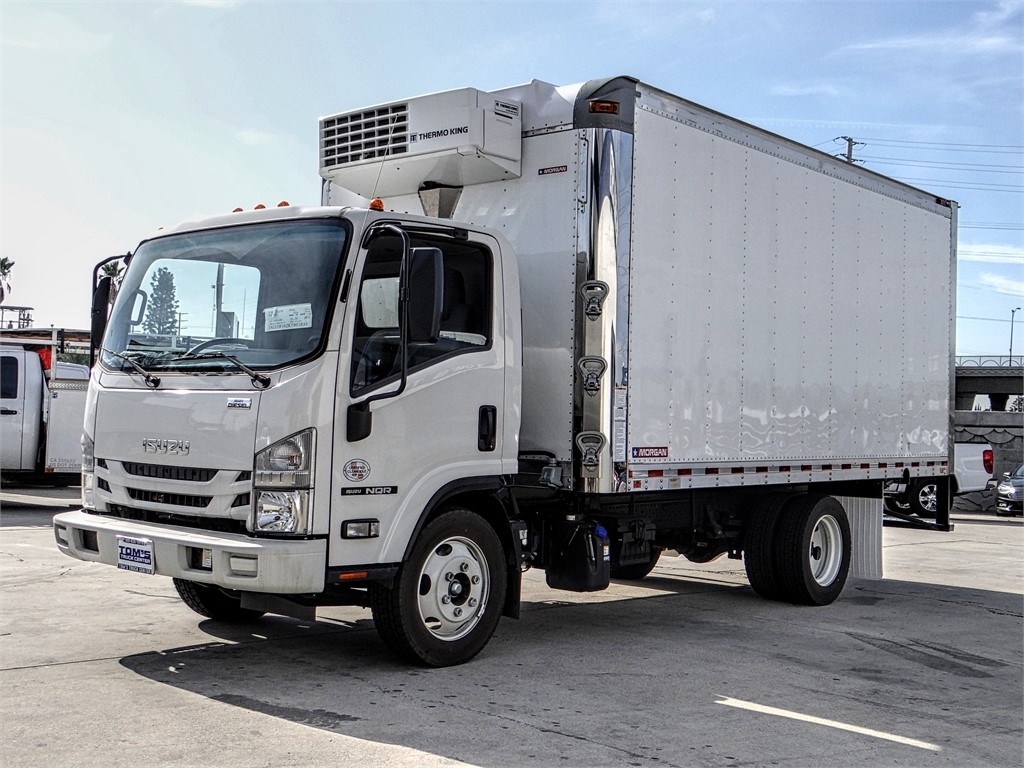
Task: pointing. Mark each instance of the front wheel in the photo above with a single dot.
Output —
(214, 602)
(447, 597)
(813, 548)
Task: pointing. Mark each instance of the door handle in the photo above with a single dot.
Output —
(487, 428)
(7, 412)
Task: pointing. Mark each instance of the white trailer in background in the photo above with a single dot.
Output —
(42, 408)
(584, 324)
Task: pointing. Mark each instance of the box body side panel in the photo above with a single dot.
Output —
(778, 313)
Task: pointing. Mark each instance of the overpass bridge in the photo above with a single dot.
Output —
(1000, 378)
(997, 376)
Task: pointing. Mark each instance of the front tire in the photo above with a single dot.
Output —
(447, 598)
(214, 602)
(813, 548)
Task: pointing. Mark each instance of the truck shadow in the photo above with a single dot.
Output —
(576, 674)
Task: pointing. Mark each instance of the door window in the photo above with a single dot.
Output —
(8, 377)
(465, 317)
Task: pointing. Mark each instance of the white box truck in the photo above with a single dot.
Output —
(581, 325)
(42, 408)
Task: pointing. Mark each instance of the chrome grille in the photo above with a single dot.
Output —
(164, 472)
(171, 499)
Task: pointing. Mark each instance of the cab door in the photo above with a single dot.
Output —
(442, 427)
(20, 409)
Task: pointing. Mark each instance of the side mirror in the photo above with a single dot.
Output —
(426, 295)
(98, 317)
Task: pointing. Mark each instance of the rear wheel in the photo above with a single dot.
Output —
(214, 602)
(447, 598)
(759, 551)
(921, 498)
(813, 548)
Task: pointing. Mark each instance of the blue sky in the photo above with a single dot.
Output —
(118, 118)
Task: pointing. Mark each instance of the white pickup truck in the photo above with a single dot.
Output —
(972, 469)
(42, 408)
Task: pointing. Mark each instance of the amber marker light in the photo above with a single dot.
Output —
(376, 204)
(605, 107)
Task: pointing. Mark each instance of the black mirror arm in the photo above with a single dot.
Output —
(359, 422)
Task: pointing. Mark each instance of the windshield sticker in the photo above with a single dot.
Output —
(288, 317)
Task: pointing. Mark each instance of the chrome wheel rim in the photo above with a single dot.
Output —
(453, 588)
(825, 552)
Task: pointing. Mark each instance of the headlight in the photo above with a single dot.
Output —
(281, 512)
(1006, 489)
(88, 453)
(88, 470)
(282, 485)
(287, 463)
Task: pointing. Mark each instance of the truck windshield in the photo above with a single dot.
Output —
(259, 294)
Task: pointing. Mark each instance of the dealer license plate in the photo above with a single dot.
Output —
(135, 554)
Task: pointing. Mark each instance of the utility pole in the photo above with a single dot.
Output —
(850, 144)
(1012, 313)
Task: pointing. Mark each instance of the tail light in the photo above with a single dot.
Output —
(986, 457)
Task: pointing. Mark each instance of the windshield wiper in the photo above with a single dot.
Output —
(151, 380)
(257, 378)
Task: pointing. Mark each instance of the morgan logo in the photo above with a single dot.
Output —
(650, 452)
(167, 447)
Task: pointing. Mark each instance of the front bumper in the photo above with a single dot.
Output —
(1008, 507)
(274, 566)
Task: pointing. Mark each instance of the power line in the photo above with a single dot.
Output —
(1011, 188)
(990, 225)
(986, 319)
(1014, 148)
(973, 167)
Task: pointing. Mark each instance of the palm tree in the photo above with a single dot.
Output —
(6, 265)
(114, 270)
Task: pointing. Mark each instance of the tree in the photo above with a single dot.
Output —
(162, 308)
(115, 271)
(6, 265)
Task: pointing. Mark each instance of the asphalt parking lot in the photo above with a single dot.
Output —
(688, 668)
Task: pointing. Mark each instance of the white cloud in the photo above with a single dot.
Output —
(993, 32)
(1004, 11)
(811, 89)
(216, 4)
(54, 33)
(634, 19)
(252, 138)
(949, 45)
(1002, 284)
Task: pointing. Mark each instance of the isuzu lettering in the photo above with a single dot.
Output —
(576, 327)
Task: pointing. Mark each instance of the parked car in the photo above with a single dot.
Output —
(972, 470)
(1010, 493)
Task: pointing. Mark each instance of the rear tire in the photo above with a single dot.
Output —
(813, 548)
(759, 555)
(447, 597)
(214, 602)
